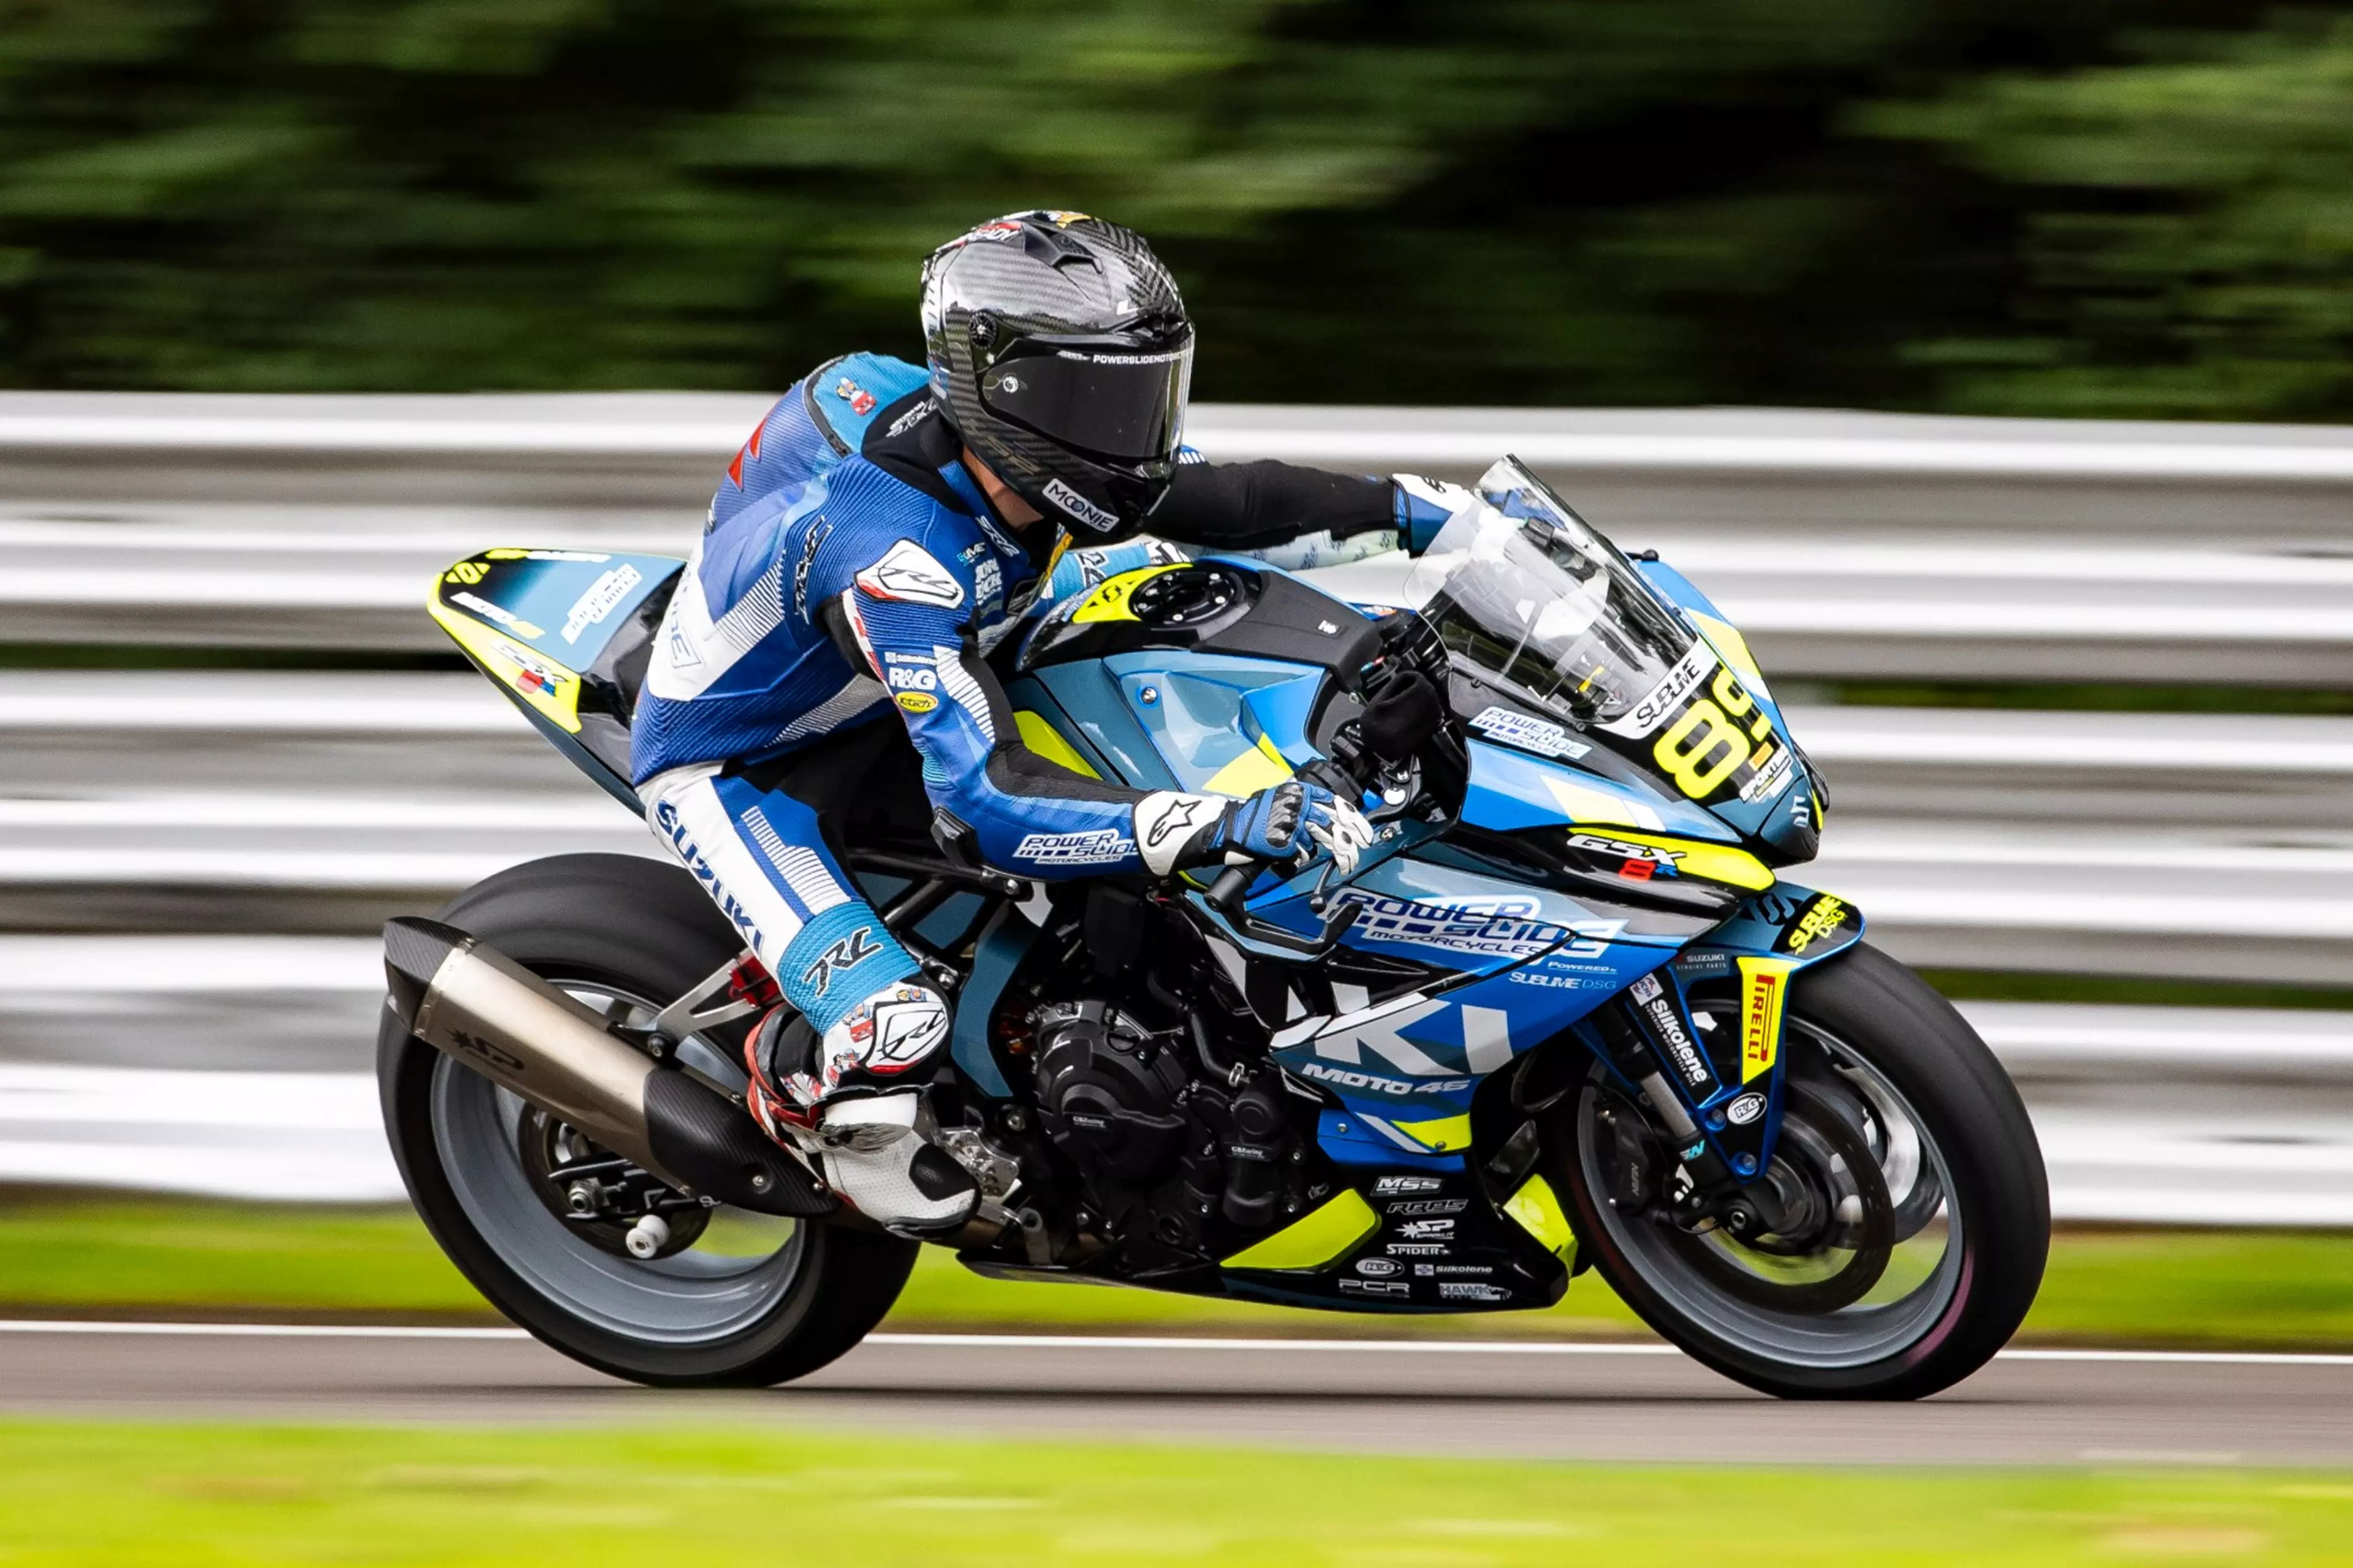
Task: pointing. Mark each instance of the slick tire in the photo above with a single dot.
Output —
(646, 929)
(1997, 1187)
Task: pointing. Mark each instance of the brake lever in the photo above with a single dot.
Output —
(1223, 900)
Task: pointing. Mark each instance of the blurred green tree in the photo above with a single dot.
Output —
(1495, 201)
(2188, 229)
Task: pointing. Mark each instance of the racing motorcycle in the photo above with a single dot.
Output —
(1565, 1015)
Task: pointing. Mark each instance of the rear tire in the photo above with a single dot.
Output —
(622, 927)
(1992, 1217)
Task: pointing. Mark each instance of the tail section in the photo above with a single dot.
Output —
(566, 633)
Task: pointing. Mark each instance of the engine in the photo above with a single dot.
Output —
(1178, 1160)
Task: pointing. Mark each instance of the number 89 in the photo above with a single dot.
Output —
(1701, 749)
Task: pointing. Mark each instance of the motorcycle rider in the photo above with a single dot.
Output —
(837, 580)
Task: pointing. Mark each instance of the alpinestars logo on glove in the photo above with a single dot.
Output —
(1181, 813)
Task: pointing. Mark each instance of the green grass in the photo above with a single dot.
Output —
(116, 1258)
(195, 1497)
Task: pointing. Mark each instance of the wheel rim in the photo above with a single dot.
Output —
(741, 1267)
(1912, 1288)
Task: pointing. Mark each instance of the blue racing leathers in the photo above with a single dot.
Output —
(836, 589)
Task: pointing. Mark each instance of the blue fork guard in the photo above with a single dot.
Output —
(1767, 940)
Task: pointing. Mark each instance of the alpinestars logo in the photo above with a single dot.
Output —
(908, 573)
(1177, 816)
(1100, 848)
(1079, 506)
(1165, 822)
(843, 954)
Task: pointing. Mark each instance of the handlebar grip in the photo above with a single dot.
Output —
(1225, 892)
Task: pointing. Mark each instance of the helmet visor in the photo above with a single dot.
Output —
(1120, 403)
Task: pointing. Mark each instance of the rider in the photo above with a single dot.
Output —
(832, 584)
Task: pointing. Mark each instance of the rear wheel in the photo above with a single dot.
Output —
(730, 1297)
(1916, 1214)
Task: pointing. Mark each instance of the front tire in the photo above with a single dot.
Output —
(754, 1301)
(1916, 1129)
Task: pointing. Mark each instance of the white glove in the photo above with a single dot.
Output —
(1344, 833)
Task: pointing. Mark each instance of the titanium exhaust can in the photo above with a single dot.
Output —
(478, 1006)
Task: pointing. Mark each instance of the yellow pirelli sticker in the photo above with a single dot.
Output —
(1763, 983)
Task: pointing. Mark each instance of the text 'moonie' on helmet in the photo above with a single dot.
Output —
(1062, 351)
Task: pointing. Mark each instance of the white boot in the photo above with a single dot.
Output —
(831, 1098)
(874, 1157)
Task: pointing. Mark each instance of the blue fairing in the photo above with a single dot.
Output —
(1512, 790)
(1512, 965)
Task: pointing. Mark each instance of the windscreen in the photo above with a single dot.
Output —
(1527, 597)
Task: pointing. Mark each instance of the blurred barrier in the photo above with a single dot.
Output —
(147, 811)
(240, 1066)
(326, 801)
(1823, 609)
(1850, 546)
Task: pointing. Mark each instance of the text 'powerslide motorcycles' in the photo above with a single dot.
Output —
(1563, 1015)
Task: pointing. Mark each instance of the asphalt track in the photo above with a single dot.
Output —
(1625, 1403)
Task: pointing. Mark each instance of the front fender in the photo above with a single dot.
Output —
(1770, 937)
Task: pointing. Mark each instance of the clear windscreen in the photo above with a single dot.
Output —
(1529, 599)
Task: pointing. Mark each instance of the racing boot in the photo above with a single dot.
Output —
(838, 1098)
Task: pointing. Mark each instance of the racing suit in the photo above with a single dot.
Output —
(822, 597)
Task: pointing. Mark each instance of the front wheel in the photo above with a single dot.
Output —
(1923, 1211)
(731, 1296)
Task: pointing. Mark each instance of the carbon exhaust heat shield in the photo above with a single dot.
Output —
(473, 1003)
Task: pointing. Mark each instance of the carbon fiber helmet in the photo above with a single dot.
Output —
(1062, 353)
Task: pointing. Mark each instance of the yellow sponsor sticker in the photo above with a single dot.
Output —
(544, 685)
(1823, 917)
(1107, 601)
(918, 702)
(1763, 983)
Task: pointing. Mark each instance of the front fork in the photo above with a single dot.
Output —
(1721, 1112)
(1647, 1038)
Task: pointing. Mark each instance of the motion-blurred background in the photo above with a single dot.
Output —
(2081, 682)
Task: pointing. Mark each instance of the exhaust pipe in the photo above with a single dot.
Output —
(473, 1003)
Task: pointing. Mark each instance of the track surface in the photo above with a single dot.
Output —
(1621, 1402)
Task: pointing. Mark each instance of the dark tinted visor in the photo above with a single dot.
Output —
(1117, 403)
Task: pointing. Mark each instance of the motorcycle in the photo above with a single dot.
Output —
(1565, 1015)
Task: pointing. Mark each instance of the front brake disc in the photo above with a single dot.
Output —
(1843, 1250)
